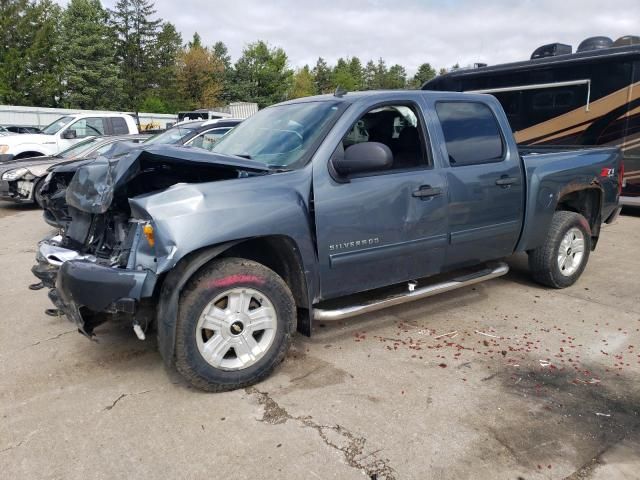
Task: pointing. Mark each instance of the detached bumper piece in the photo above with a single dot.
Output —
(85, 292)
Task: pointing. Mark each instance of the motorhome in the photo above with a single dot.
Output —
(560, 98)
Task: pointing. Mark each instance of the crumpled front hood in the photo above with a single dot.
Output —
(95, 185)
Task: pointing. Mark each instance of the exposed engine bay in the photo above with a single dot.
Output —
(90, 205)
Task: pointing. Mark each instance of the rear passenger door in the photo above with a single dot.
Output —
(485, 181)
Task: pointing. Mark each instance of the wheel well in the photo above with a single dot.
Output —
(28, 155)
(588, 203)
(280, 254)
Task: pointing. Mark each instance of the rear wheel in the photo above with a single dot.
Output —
(560, 261)
(234, 326)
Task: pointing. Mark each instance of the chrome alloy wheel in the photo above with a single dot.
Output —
(571, 252)
(236, 329)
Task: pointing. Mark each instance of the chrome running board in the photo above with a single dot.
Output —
(493, 271)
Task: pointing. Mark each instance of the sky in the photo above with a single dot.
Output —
(408, 32)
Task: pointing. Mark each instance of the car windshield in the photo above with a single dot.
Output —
(80, 148)
(56, 126)
(172, 136)
(279, 136)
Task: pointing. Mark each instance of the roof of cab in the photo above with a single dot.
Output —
(383, 95)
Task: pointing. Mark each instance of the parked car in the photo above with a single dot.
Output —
(308, 203)
(20, 179)
(11, 129)
(200, 134)
(65, 132)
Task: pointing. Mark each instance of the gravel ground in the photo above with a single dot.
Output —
(502, 380)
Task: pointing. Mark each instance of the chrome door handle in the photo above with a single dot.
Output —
(427, 191)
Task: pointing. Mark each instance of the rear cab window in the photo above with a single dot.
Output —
(471, 132)
(119, 126)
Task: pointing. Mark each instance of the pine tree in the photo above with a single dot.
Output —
(322, 76)
(221, 53)
(137, 38)
(164, 97)
(357, 72)
(29, 53)
(262, 75)
(341, 76)
(425, 73)
(90, 72)
(395, 78)
(369, 76)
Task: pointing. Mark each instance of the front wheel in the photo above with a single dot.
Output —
(560, 261)
(234, 326)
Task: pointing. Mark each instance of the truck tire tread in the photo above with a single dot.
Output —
(543, 260)
(189, 362)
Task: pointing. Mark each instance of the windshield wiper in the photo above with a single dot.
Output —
(279, 168)
(242, 155)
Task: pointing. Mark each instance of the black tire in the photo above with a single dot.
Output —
(212, 281)
(37, 198)
(543, 261)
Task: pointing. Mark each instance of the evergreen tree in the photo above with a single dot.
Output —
(322, 77)
(357, 72)
(395, 78)
(165, 98)
(342, 78)
(137, 37)
(90, 72)
(196, 41)
(369, 76)
(29, 53)
(303, 83)
(425, 73)
(262, 75)
(225, 77)
(380, 73)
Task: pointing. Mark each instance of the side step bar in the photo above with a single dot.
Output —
(494, 271)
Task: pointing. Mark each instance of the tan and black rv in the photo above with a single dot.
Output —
(559, 98)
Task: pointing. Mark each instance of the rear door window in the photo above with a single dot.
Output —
(119, 126)
(471, 132)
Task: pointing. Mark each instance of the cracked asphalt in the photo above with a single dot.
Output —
(502, 380)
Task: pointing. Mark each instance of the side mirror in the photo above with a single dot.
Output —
(363, 157)
(69, 134)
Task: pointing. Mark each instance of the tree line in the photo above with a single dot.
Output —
(85, 56)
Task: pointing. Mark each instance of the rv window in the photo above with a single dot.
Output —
(550, 100)
(471, 132)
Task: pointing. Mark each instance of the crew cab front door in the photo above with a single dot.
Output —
(385, 226)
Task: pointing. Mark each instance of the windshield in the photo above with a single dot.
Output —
(79, 148)
(56, 126)
(172, 136)
(279, 136)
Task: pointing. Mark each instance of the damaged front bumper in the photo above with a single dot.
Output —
(20, 191)
(81, 288)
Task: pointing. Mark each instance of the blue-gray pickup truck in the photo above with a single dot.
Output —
(305, 206)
